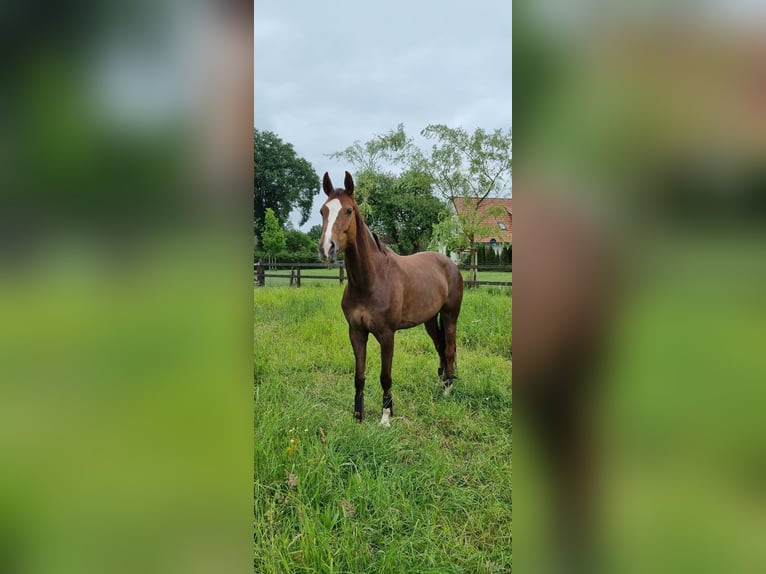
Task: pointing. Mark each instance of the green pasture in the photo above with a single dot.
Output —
(430, 494)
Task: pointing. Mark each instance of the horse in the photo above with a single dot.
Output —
(387, 292)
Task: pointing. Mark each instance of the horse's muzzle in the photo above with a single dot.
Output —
(331, 253)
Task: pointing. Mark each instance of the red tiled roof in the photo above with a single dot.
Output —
(500, 235)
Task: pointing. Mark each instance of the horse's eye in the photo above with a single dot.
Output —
(349, 211)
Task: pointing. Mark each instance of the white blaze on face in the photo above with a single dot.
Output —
(333, 209)
(385, 420)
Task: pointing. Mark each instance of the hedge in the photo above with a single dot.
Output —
(285, 257)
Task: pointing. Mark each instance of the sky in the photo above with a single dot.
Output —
(328, 74)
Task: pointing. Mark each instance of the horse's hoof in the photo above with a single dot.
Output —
(385, 419)
(447, 387)
(358, 416)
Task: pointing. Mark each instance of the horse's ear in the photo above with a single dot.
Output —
(349, 183)
(327, 184)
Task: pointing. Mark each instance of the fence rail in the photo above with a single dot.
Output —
(261, 273)
(479, 268)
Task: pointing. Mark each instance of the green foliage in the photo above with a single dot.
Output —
(368, 157)
(273, 237)
(447, 234)
(505, 256)
(430, 494)
(486, 255)
(282, 181)
(468, 165)
(481, 255)
(403, 210)
(296, 241)
(459, 165)
(315, 232)
(310, 256)
(402, 207)
(493, 258)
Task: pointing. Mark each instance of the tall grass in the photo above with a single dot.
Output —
(430, 494)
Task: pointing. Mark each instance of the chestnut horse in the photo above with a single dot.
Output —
(387, 292)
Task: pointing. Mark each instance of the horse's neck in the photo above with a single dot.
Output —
(361, 259)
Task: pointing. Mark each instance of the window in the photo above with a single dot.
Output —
(501, 225)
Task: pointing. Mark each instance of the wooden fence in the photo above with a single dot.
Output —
(262, 271)
(480, 268)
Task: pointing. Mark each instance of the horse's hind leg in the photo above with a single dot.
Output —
(449, 329)
(432, 328)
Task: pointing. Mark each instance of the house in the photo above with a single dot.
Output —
(496, 214)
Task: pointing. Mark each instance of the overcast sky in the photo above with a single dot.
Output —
(330, 73)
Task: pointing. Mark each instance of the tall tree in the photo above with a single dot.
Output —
(273, 236)
(403, 209)
(476, 165)
(448, 234)
(370, 160)
(464, 166)
(400, 207)
(282, 181)
(470, 168)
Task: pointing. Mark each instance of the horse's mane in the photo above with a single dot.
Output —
(382, 247)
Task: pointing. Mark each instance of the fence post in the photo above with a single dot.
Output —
(292, 276)
(260, 276)
(298, 276)
(340, 265)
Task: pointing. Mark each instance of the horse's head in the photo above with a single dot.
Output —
(338, 218)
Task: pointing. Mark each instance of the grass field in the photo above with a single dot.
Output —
(430, 494)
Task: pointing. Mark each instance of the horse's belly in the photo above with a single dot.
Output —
(407, 324)
(419, 311)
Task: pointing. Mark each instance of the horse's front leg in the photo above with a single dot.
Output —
(386, 340)
(359, 344)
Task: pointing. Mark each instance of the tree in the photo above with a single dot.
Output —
(282, 181)
(459, 165)
(448, 235)
(298, 242)
(470, 167)
(315, 232)
(273, 237)
(400, 207)
(403, 209)
(368, 160)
